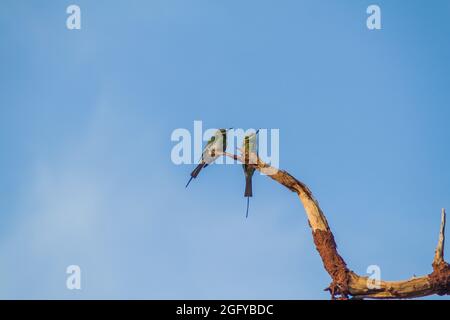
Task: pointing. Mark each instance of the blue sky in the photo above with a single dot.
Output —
(85, 124)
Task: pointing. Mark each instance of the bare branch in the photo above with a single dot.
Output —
(345, 282)
(439, 255)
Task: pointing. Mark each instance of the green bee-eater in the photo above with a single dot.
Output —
(249, 146)
(218, 142)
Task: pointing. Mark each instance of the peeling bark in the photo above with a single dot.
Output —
(345, 283)
(333, 263)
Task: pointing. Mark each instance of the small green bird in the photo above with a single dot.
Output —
(218, 142)
(249, 146)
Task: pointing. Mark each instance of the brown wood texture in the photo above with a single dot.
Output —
(345, 283)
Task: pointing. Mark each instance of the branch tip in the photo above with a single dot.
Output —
(439, 253)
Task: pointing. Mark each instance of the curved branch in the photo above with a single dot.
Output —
(345, 282)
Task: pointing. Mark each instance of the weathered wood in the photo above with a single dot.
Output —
(346, 283)
(439, 254)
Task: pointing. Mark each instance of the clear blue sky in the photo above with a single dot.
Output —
(85, 124)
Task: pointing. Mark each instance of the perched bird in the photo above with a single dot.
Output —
(217, 143)
(249, 146)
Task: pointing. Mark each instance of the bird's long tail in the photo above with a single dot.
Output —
(189, 181)
(196, 171)
(248, 186)
(248, 203)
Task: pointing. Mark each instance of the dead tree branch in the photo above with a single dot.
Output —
(345, 283)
